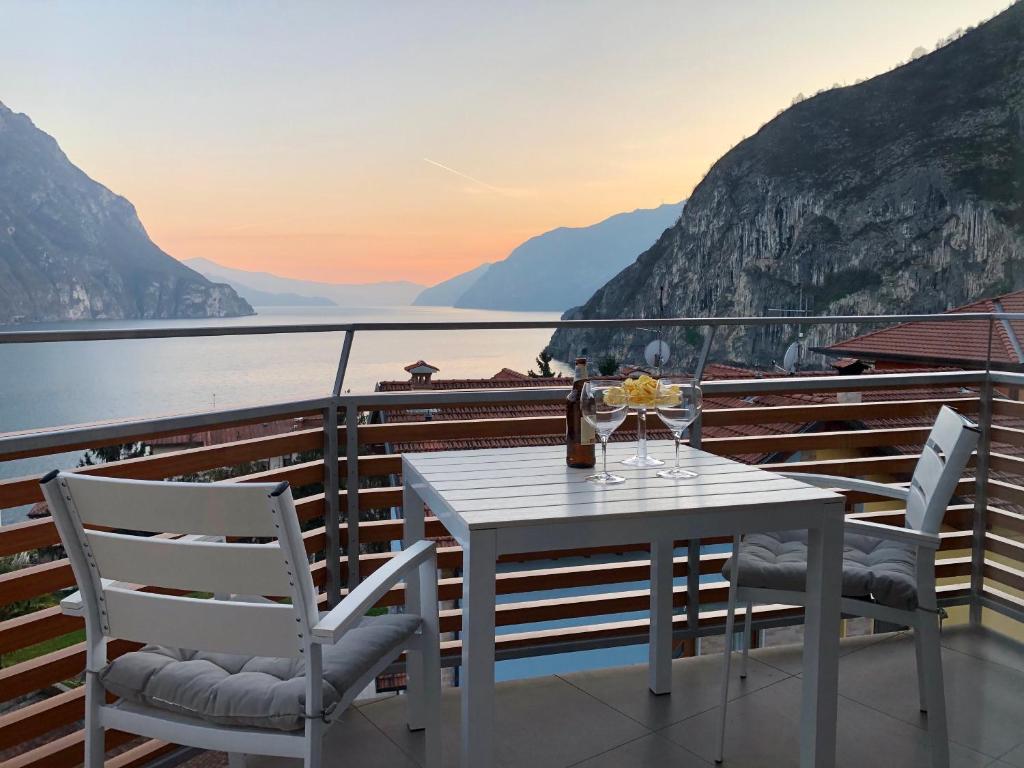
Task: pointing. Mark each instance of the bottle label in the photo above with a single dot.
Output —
(588, 436)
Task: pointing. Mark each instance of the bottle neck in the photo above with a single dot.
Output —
(581, 372)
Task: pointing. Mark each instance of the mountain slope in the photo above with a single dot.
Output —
(71, 249)
(900, 194)
(446, 293)
(269, 299)
(394, 293)
(562, 268)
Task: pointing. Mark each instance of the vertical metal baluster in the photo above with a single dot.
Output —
(352, 490)
(332, 517)
(981, 489)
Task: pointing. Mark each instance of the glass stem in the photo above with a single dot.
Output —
(641, 433)
(604, 455)
(678, 436)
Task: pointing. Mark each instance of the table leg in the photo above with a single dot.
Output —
(659, 669)
(413, 531)
(478, 572)
(821, 642)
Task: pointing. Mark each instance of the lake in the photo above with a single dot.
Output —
(45, 385)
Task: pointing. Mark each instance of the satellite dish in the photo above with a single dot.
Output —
(792, 356)
(656, 353)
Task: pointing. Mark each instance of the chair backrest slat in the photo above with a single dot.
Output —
(80, 504)
(156, 507)
(946, 452)
(202, 566)
(268, 629)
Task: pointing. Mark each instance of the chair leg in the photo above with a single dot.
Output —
(931, 654)
(748, 619)
(95, 748)
(314, 746)
(730, 626)
(430, 668)
(922, 676)
(416, 705)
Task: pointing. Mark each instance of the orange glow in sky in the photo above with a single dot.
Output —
(413, 141)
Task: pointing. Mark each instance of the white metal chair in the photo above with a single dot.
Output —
(260, 676)
(888, 572)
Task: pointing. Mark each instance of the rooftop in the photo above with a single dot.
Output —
(932, 342)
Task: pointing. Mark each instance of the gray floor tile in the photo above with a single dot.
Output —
(985, 644)
(1015, 756)
(541, 723)
(789, 658)
(651, 751)
(763, 730)
(983, 700)
(695, 687)
(353, 740)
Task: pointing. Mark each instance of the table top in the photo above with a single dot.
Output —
(506, 487)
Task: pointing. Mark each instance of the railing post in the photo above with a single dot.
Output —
(352, 491)
(346, 350)
(981, 502)
(332, 519)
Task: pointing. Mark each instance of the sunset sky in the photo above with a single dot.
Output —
(355, 142)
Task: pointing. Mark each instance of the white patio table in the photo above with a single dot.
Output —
(521, 500)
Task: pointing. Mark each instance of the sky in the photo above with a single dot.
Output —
(365, 141)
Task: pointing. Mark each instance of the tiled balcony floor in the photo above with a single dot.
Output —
(606, 718)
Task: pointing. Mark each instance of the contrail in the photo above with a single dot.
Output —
(444, 167)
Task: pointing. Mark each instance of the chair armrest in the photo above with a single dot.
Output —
(74, 605)
(353, 608)
(850, 484)
(892, 533)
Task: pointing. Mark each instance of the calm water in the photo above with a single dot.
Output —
(43, 385)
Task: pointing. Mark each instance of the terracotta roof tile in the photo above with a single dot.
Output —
(965, 342)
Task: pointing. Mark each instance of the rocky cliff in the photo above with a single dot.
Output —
(70, 249)
(901, 194)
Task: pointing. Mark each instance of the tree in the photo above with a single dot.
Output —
(607, 365)
(543, 365)
(107, 453)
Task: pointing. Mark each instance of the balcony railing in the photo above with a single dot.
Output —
(348, 498)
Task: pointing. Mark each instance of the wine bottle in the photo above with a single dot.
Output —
(579, 434)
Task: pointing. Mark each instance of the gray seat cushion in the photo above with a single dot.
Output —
(252, 691)
(873, 568)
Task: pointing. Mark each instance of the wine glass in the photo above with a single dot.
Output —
(641, 395)
(678, 401)
(604, 403)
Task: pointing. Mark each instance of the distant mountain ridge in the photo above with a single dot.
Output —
(904, 194)
(70, 249)
(383, 294)
(563, 267)
(446, 293)
(268, 299)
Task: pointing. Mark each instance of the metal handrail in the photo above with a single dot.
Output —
(110, 334)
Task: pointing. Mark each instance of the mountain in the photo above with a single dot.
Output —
(446, 293)
(904, 193)
(386, 294)
(267, 299)
(70, 249)
(562, 268)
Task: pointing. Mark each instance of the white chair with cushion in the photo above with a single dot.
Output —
(236, 672)
(888, 572)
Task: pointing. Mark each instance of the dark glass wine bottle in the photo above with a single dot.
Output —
(579, 434)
